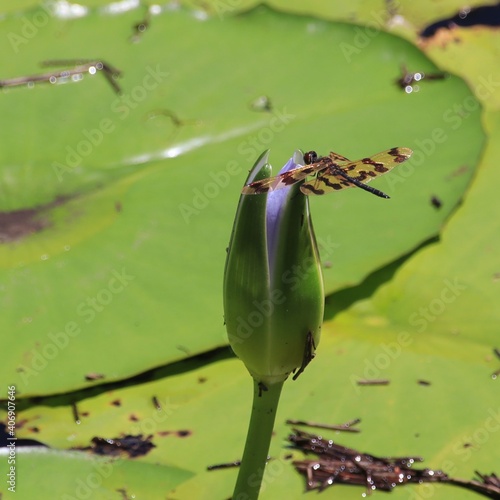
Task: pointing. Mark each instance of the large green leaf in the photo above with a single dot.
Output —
(118, 216)
(451, 288)
(204, 413)
(435, 320)
(83, 476)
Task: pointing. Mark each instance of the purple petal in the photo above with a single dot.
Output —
(275, 203)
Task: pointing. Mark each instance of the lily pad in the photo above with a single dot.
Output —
(119, 208)
(193, 426)
(435, 321)
(83, 476)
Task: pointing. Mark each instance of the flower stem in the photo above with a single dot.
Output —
(265, 404)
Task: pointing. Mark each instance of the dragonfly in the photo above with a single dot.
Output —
(333, 173)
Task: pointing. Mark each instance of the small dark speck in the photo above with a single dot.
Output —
(183, 433)
(123, 493)
(202, 380)
(417, 435)
(375, 381)
(76, 416)
(436, 202)
(94, 376)
(236, 463)
(85, 413)
(118, 206)
(156, 403)
(164, 433)
(116, 402)
(467, 445)
(423, 382)
(288, 456)
(34, 429)
(133, 418)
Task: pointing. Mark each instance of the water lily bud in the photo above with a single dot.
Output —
(273, 286)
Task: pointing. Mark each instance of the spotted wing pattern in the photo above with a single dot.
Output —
(283, 180)
(336, 158)
(334, 172)
(341, 172)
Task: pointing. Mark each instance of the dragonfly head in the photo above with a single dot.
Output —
(310, 157)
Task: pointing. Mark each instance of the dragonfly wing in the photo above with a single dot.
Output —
(325, 182)
(344, 173)
(334, 172)
(282, 180)
(366, 169)
(336, 158)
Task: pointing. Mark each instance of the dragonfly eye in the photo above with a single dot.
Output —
(310, 157)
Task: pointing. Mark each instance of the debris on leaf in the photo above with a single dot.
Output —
(338, 464)
(346, 427)
(488, 486)
(131, 446)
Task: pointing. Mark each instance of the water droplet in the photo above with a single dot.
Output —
(44, 257)
(464, 12)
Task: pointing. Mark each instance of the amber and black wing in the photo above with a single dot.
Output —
(283, 180)
(342, 173)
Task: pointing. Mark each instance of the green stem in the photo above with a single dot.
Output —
(265, 404)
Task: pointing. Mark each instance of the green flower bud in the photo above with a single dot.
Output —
(273, 286)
